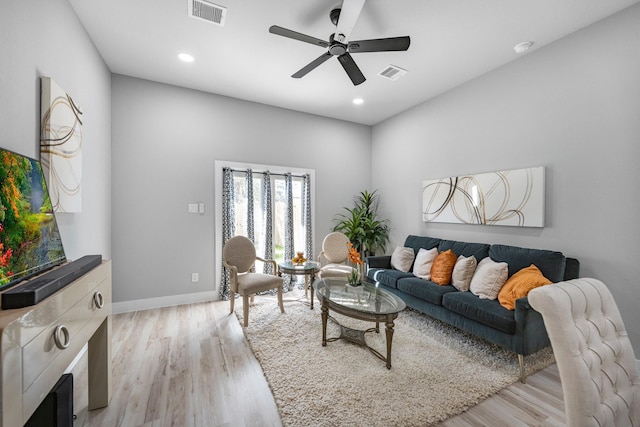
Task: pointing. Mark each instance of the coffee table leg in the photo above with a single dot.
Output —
(389, 330)
(313, 277)
(325, 316)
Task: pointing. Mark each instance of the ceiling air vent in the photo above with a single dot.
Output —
(207, 11)
(392, 72)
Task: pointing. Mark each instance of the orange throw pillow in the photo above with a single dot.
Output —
(443, 267)
(520, 284)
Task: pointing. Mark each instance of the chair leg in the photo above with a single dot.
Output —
(245, 309)
(232, 299)
(280, 300)
(252, 296)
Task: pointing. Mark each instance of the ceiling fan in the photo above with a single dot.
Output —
(344, 19)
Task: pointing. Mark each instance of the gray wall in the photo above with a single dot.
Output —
(573, 107)
(165, 143)
(45, 38)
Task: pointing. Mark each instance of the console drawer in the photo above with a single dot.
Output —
(40, 352)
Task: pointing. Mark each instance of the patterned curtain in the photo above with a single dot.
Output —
(250, 223)
(267, 211)
(288, 229)
(228, 226)
(307, 217)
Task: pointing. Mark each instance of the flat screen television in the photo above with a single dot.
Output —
(30, 241)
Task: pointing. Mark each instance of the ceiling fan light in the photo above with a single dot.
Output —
(358, 101)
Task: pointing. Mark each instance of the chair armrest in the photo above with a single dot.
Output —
(380, 261)
(320, 256)
(233, 275)
(232, 268)
(270, 261)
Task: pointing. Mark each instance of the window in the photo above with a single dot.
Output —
(279, 206)
(270, 237)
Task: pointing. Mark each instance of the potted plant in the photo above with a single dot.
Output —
(362, 226)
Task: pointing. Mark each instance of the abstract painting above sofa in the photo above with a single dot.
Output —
(512, 198)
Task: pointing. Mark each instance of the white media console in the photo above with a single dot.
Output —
(38, 343)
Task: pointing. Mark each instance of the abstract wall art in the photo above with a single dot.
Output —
(512, 198)
(61, 146)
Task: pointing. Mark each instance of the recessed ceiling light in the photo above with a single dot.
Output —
(358, 101)
(185, 57)
(522, 47)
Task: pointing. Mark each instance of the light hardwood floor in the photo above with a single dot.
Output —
(190, 365)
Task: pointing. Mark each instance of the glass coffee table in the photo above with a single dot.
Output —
(365, 302)
(308, 269)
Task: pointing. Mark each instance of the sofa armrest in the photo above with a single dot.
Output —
(529, 328)
(572, 269)
(380, 261)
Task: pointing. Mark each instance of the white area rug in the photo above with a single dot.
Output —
(437, 371)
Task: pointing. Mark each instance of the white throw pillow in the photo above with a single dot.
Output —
(463, 272)
(424, 261)
(489, 278)
(402, 258)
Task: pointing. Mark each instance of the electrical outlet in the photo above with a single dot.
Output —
(194, 277)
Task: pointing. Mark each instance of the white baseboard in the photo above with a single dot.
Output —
(150, 303)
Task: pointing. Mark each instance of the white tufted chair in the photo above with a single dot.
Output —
(595, 359)
(334, 255)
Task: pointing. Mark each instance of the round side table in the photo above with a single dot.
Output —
(307, 269)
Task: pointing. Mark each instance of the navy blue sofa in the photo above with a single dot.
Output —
(521, 330)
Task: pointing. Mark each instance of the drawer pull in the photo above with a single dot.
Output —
(98, 299)
(61, 337)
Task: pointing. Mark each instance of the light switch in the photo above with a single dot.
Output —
(201, 208)
(192, 208)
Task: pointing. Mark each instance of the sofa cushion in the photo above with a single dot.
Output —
(402, 258)
(550, 263)
(485, 311)
(478, 250)
(443, 267)
(463, 272)
(520, 284)
(424, 289)
(388, 277)
(423, 263)
(488, 278)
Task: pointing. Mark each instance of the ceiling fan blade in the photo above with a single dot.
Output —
(349, 14)
(274, 29)
(312, 65)
(380, 45)
(351, 68)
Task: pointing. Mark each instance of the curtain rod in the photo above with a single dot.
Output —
(270, 173)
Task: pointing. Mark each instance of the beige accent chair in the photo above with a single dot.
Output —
(334, 255)
(595, 359)
(239, 257)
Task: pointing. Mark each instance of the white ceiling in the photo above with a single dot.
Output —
(452, 42)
